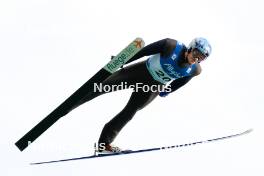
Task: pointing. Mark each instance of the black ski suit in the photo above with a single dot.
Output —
(132, 74)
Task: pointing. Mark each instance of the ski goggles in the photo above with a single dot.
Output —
(197, 54)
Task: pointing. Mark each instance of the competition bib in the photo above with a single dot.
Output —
(166, 69)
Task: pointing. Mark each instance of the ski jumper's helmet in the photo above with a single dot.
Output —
(202, 45)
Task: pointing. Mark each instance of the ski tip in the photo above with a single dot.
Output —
(139, 42)
(248, 131)
(139, 38)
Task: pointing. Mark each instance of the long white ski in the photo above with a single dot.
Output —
(148, 149)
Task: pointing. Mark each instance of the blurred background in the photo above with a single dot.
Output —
(48, 49)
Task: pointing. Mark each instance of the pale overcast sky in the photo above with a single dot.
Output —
(49, 48)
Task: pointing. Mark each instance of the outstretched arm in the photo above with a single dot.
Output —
(151, 49)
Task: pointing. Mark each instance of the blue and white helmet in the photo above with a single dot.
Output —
(202, 45)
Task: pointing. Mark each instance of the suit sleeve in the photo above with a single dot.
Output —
(176, 84)
(151, 49)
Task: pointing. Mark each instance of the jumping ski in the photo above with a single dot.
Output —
(146, 150)
(118, 61)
